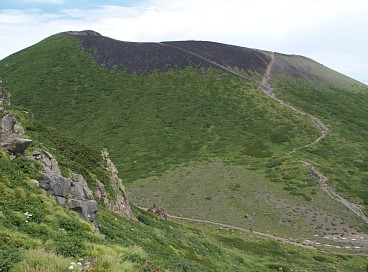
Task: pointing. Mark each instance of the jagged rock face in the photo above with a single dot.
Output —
(73, 192)
(121, 204)
(11, 134)
(47, 160)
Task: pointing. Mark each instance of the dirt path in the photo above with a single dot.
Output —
(332, 193)
(274, 237)
(267, 89)
(271, 236)
(322, 180)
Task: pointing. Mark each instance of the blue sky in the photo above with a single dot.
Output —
(56, 5)
(332, 32)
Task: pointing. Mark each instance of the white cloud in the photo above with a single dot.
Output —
(45, 1)
(322, 29)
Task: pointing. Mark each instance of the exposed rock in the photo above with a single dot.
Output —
(73, 192)
(49, 162)
(61, 200)
(4, 98)
(101, 194)
(36, 155)
(17, 145)
(80, 187)
(87, 209)
(56, 184)
(76, 191)
(84, 33)
(11, 135)
(158, 210)
(121, 204)
(7, 123)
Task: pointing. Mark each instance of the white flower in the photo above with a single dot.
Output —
(71, 268)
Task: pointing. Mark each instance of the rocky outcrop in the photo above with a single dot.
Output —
(11, 134)
(4, 97)
(121, 204)
(47, 160)
(72, 192)
(157, 209)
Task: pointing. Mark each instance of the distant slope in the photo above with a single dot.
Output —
(143, 58)
(300, 67)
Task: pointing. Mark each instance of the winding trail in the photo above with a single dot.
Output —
(267, 89)
(332, 193)
(322, 179)
(268, 235)
(274, 237)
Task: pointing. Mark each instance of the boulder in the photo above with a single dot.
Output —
(11, 135)
(17, 145)
(87, 209)
(56, 184)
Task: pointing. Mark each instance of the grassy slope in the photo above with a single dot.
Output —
(56, 234)
(150, 124)
(154, 125)
(343, 155)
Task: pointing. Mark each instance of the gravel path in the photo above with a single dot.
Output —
(322, 180)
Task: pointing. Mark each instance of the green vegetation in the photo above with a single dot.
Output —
(247, 199)
(37, 234)
(205, 145)
(343, 155)
(171, 131)
(150, 124)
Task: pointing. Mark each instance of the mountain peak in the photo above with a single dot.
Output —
(84, 32)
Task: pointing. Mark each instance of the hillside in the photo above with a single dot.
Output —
(189, 127)
(39, 234)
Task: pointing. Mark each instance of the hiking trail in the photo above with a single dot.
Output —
(322, 180)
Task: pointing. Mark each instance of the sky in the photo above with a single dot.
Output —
(332, 32)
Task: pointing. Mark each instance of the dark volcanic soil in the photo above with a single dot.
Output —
(227, 55)
(143, 58)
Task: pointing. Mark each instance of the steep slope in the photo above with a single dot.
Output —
(39, 234)
(201, 132)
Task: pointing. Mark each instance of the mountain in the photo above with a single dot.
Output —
(256, 140)
(41, 230)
